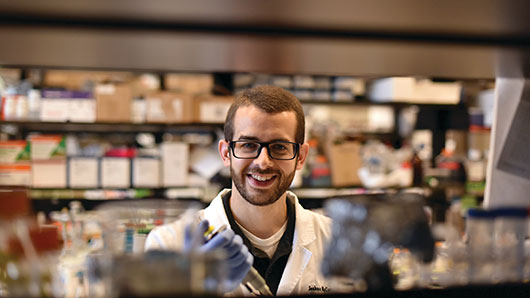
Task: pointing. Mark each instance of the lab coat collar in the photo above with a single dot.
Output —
(304, 232)
(215, 211)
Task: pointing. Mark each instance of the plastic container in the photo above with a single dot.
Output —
(480, 245)
(509, 234)
(125, 224)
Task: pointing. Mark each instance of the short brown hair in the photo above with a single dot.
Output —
(270, 99)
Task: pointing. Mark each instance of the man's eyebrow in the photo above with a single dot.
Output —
(247, 138)
(251, 138)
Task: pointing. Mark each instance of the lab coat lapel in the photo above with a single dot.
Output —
(304, 234)
(294, 269)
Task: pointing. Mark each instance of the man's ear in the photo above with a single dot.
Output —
(302, 155)
(224, 151)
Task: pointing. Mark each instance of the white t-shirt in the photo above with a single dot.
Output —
(268, 245)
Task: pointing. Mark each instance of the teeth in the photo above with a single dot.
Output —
(260, 178)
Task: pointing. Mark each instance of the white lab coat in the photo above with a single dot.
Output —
(302, 271)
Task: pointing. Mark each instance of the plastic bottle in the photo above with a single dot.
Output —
(34, 105)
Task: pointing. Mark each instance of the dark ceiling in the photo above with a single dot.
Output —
(447, 39)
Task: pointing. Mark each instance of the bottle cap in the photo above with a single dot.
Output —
(511, 212)
(480, 213)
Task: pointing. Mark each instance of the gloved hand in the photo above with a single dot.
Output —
(239, 259)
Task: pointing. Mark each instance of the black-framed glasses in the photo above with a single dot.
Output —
(281, 150)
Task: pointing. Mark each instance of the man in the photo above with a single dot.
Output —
(264, 147)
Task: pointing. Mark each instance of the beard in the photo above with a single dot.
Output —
(271, 195)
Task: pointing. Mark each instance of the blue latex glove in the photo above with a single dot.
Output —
(239, 259)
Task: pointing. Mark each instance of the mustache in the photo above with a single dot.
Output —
(256, 170)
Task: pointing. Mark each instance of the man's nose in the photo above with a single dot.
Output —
(263, 159)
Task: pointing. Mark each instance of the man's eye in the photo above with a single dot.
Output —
(249, 145)
(278, 147)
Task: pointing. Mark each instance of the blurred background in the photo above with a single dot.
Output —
(126, 100)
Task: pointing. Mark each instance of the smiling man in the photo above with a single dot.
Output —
(264, 147)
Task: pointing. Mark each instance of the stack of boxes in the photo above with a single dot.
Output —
(306, 87)
(43, 161)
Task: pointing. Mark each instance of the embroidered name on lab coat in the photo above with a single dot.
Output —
(314, 288)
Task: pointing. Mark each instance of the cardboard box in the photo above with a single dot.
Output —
(113, 103)
(175, 164)
(115, 172)
(144, 84)
(345, 161)
(14, 151)
(83, 172)
(45, 147)
(18, 174)
(146, 172)
(189, 83)
(169, 107)
(212, 109)
(48, 174)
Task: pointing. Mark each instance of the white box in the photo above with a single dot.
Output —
(115, 172)
(82, 110)
(146, 172)
(392, 89)
(18, 174)
(486, 101)
(214, 112)
(408, 89)
(54, 105)
(380, 119)
(175, 163)
(48, 174)
(54, 110)
(83, 172)
(426, 91)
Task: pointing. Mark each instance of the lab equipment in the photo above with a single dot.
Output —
(365, 231)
